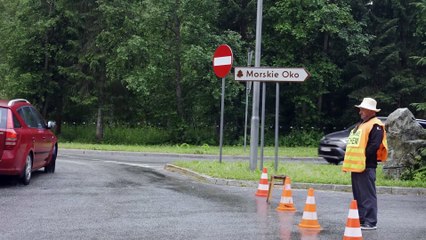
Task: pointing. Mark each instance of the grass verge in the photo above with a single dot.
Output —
(299, 172)
(191, 149)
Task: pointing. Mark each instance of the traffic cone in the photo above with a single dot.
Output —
(263, 188)
(310, 218)
(353, 226)
(286, 202)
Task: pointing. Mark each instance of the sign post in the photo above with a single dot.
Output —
(267, 74)
(222, 64)
(248, 89)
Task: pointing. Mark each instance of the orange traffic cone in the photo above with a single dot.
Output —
(353, 226)
(263, 188)
(286, 202)
(310, 218)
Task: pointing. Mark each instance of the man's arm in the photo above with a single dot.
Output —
(374, 141)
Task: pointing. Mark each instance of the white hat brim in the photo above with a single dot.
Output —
(369, 108)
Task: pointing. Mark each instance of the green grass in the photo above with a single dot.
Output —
(299, 172)
(191, 149)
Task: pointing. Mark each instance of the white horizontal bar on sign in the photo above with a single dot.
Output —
(221, 61)
(265, 74)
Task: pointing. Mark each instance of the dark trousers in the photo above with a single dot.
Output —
(364, 190)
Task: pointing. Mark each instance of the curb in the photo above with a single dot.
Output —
(324, 187)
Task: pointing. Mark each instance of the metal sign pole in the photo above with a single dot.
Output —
(254, 136)
(277, 111)
(262, 131)
(248, 89)
(221, 119)
(245, 120)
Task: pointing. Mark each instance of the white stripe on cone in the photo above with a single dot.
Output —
(310, 200)
(353, 232)
(286, 200)
(353, 213)
(263, 187)
(221, 61)
(310, 215)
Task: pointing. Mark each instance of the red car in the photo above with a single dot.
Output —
(26, 141)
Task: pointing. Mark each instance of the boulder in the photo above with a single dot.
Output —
(406, 139)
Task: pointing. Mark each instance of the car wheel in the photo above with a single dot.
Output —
(50, 168)
(332, 161)
(26, 176)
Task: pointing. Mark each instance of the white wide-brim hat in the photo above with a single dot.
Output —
(368, 103)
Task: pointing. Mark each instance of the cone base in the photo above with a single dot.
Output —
(261, 194)
(286, 208)
(310, 226)
(352, 238)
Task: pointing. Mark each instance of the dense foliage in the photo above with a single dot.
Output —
(148, 64)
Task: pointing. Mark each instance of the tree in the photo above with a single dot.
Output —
(302, 33)
(388, 72)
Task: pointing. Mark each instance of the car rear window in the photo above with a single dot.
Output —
(3, 117)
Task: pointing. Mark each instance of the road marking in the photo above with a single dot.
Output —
(131, 164)
(75, 162)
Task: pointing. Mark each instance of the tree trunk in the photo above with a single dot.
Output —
(46, 63)
(325, 50)
(319, 104)
(99, 125)
(178, 66)
(100, 117)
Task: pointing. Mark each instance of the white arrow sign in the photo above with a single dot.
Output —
(265, 74)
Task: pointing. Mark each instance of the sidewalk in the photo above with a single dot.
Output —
(316, 186)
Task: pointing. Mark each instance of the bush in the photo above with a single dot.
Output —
(115, 135)
(301, 138)
(121, 134)
(416, 171)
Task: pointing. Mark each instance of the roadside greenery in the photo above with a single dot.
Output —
(149, 63)
(193, 149)
(146, 135)
(299, 172)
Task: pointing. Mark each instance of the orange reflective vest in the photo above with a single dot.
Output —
(355, 155)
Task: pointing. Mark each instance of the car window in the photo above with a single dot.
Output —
(31, 117)
(39, 119)
(3, 117)
(16, 123)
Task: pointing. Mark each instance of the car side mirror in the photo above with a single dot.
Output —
(51, 124)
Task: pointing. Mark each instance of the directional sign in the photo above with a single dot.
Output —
(265, 74)
(222, 60)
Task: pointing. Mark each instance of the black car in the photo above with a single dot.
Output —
(332, 146)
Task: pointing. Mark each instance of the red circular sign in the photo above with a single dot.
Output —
(222, 60)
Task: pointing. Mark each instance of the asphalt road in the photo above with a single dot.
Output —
(95, 195)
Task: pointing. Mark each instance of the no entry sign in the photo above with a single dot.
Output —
(222, 60)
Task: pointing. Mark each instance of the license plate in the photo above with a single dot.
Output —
(326, 149)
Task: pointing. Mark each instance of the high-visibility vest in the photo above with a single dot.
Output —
(355, 155)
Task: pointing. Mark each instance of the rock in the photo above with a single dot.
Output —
(406, 138)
